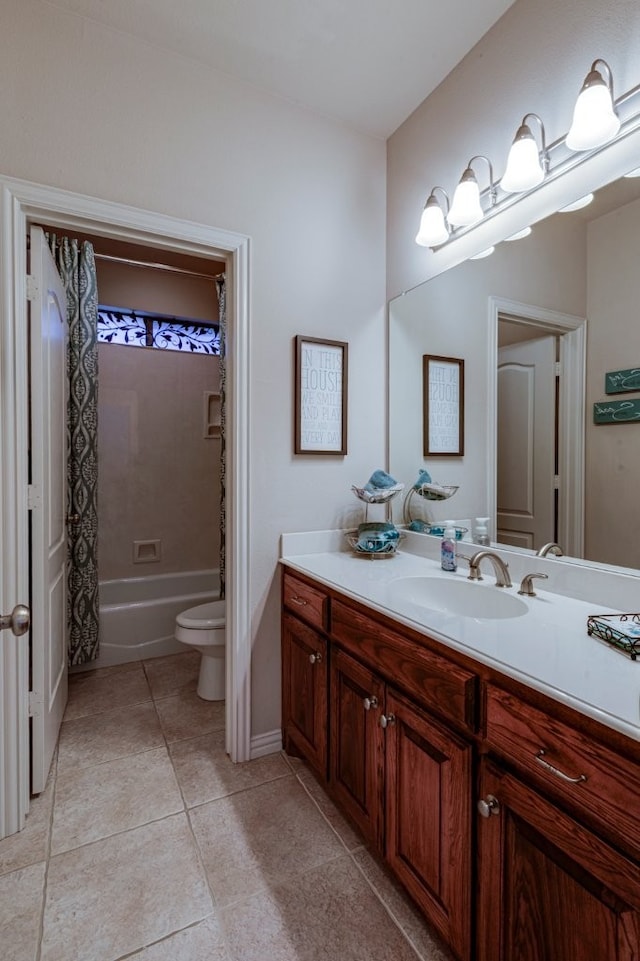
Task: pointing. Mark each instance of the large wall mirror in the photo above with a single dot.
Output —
(534, 461)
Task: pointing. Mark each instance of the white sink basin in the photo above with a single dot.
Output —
(457, 596)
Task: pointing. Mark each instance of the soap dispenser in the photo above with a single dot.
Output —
(448, 547)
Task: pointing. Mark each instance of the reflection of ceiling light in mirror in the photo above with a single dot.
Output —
(634, 173)
(577, 204)
(519, 234)
(483, 253)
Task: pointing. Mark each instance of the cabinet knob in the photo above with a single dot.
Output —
(370, 702)
(387, 720)
(488, 806)
(315, 658)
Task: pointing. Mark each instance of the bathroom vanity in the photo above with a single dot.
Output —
(493, 763)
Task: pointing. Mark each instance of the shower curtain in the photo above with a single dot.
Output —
(221, 290)
(76, 265)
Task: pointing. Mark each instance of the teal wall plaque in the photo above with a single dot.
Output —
(616, 412)
(618, 381)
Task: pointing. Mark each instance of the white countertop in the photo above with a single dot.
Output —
(547, 648)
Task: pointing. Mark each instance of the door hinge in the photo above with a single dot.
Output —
(35, 704)
(34, 497)
(32, 287)
(556, 482)
(558, 368)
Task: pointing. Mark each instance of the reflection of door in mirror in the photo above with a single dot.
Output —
(527, 437)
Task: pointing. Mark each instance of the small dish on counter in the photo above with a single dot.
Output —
(621, 631)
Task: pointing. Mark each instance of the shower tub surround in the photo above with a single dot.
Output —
(137, 614)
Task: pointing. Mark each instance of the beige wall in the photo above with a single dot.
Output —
(158, 475)
(613, 450)
(89, 109)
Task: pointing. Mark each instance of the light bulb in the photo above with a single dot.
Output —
(524, 169)
(433, 227)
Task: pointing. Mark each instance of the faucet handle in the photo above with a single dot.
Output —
(526, 587)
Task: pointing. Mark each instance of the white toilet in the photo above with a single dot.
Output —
(203, 628)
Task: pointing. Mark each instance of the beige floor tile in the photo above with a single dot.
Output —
(425, 940)
(105, 737)
(202, 942)
(330, 912)
(95, 802)
(95, 695)
(173, 674)
(251, 839)
(21, 897)
(347, 834)
(205, 772)
(121, 894)
(105, 671)
(31, 844)
(187, 715)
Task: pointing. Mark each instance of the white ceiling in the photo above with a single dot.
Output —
(367, 63)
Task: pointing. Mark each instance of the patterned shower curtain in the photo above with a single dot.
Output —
(221, 290)
(76, 266)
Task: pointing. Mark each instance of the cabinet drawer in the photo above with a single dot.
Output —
(602, 783)
(307, 602)
(436, 682)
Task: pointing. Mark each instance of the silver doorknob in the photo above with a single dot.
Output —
(488, 806)
(387, 720)
(370, 702)
(315, 658)
(17, 621)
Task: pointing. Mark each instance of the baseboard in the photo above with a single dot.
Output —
(269, 743)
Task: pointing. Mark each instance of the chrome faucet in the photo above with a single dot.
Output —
(500, 567)
(551, 548)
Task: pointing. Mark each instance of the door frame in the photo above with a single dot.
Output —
(573, 343)
(23, 203)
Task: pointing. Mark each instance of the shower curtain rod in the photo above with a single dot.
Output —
(155, 266)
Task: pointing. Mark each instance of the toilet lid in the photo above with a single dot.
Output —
(203, 617)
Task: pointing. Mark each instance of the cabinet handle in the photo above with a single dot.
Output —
(557, 771)
(300, 601)
(387, 720)
(315, 658)
(488, 806)
(370, 702)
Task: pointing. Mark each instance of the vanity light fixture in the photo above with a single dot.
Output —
(595, 121)
(526, 164)
(519, 234)
(466, 208)
(577, 204)
(433, 228)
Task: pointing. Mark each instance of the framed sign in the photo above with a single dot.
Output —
(443, 406)
(619, 381)
(320, 396)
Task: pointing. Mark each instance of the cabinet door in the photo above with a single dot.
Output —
(357, 743)
(428, 818)
(304, 693)
(549, 890)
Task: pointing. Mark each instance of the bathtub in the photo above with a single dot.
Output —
(137, 614)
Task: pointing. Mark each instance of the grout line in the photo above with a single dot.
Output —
(194, 924)
(53, 774)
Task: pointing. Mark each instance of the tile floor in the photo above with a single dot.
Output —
(149, 844)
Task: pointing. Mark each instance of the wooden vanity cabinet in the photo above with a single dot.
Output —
(305, 658)
(549, 889)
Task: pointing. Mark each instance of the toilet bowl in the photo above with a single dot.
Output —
(203, 628)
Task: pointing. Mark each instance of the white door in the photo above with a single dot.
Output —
(526, 508)
(48, 498)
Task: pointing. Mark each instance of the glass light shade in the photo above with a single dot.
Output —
(466, 208)
(594, 120)
(524, 169)
(433, 228)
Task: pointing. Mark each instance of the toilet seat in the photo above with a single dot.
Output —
(203, 617)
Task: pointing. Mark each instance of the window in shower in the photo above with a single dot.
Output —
(138, 328)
